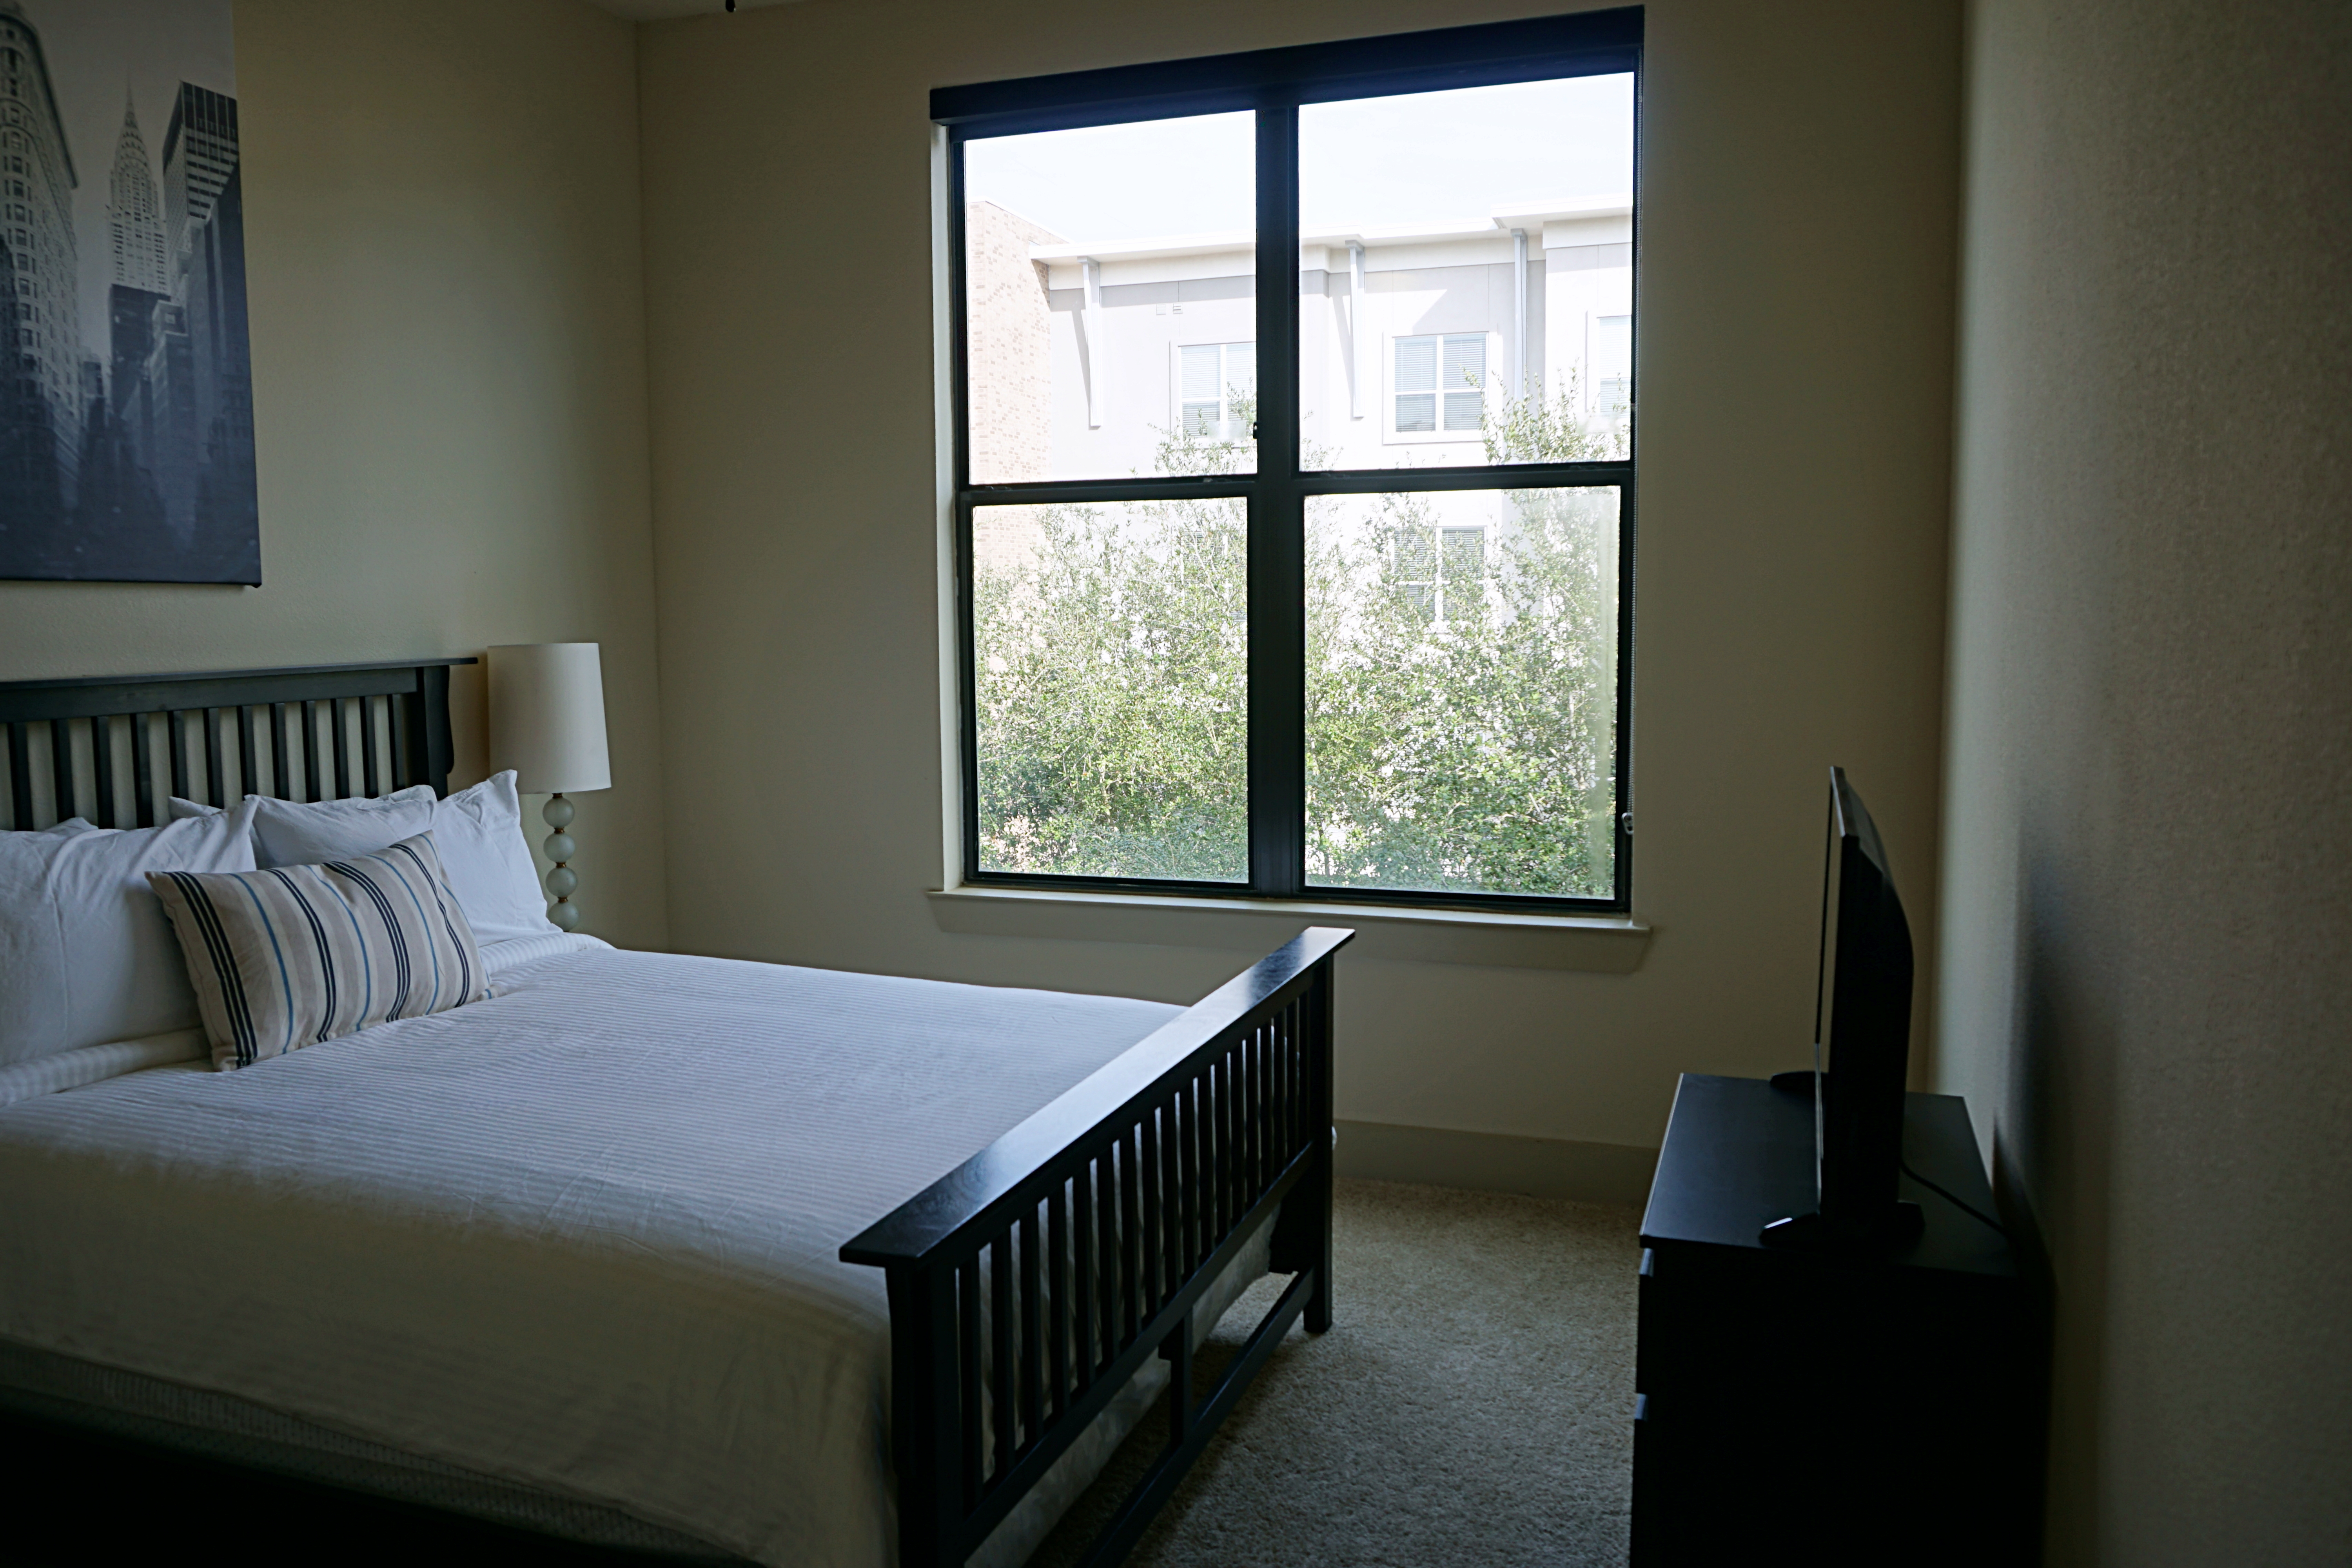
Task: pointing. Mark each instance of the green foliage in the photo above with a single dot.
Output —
(1470, 751)
(1112, 649)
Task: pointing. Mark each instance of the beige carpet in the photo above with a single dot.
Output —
(1473, 1404)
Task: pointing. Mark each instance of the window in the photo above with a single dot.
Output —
(1612, 366)
(1435, 564)
(1217, 387)
(1294, 469)
(1440, 385)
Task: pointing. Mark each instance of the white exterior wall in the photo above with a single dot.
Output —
(1154, 300)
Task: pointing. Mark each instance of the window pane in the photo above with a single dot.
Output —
(1465, 551)
(1110, 651)
(1461, 736)
(1612, 366)
(1416, 365)
(1200, 371)
(1413, 213)
(1465, 361)
(1098, 262)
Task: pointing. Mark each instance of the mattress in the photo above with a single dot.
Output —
(567, 1257)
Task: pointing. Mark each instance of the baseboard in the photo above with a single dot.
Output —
(1496, 1163)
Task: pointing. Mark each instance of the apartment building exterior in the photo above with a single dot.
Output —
(1086, 356)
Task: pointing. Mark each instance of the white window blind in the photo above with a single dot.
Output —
(1441, 378)
(1214, 382)
(1612, 366)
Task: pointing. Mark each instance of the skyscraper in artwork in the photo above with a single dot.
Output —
(199, 155)
(40, 337)
(197, 428)
(135, 212)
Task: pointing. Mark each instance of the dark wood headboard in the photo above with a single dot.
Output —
(313, 733)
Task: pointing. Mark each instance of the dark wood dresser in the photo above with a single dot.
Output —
(1800, 1408)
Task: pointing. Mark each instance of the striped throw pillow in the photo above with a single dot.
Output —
(288, 957)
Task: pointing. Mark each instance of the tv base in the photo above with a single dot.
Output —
(1883, 1232)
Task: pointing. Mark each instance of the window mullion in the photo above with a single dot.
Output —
(1277, 534)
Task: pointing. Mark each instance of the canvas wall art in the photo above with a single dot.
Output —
(126, 380)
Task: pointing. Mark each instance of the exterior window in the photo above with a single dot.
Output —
(1293, 513)
(1218, 385)
(1612, 366)
(1442, 570)
(1441, 384)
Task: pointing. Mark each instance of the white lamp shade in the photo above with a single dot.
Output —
(547, 717)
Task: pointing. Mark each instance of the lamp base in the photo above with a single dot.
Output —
(562, 879)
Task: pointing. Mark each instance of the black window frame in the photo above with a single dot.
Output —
(1274, 83)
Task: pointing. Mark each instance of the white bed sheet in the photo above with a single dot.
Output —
(640, 1162)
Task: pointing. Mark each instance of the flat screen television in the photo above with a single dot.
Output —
(1862, 1046)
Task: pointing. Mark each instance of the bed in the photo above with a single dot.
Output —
(696, 1257)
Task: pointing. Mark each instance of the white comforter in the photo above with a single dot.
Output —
(635, 1162)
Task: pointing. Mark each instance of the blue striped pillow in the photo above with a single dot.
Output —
(288, 957)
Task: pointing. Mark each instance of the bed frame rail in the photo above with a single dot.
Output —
(312, 732)
(1030, 1284)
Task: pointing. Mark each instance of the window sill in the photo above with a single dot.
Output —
(1595, 944)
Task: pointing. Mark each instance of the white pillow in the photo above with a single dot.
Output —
(488, 860)
(478, 832)
(87, 956)
(292, 833)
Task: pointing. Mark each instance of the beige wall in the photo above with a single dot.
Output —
(441, 211)
(2148, 915)
(1801, 180)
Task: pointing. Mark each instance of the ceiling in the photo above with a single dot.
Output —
(655, 10)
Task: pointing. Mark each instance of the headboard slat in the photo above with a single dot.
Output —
(367, 741)
(215, 779)
(20, 776)
(101, 767)
(311, 787)
(282, 751)
(175, 730)
(61, 773)
(248, 755)
(415, 707)
(143, 767)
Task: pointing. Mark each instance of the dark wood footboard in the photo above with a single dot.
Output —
(1030, 1284)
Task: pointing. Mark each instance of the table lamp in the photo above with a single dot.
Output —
(547, 723)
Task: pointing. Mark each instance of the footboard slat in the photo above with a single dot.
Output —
(1226, 1164)
(1085, 1270)
(1031, 1284)
(968, 1337)
(1106, 1178)
(1170, 1179)
(1033, 1387)
(1057, 1243)
(1131, 1308)
(1000, 1385)
(1149, 1275)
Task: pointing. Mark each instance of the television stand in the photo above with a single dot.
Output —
(1825, 1407)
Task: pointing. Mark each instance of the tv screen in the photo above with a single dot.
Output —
(1862, 1039)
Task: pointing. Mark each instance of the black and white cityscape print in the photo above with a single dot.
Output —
(126, 378)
